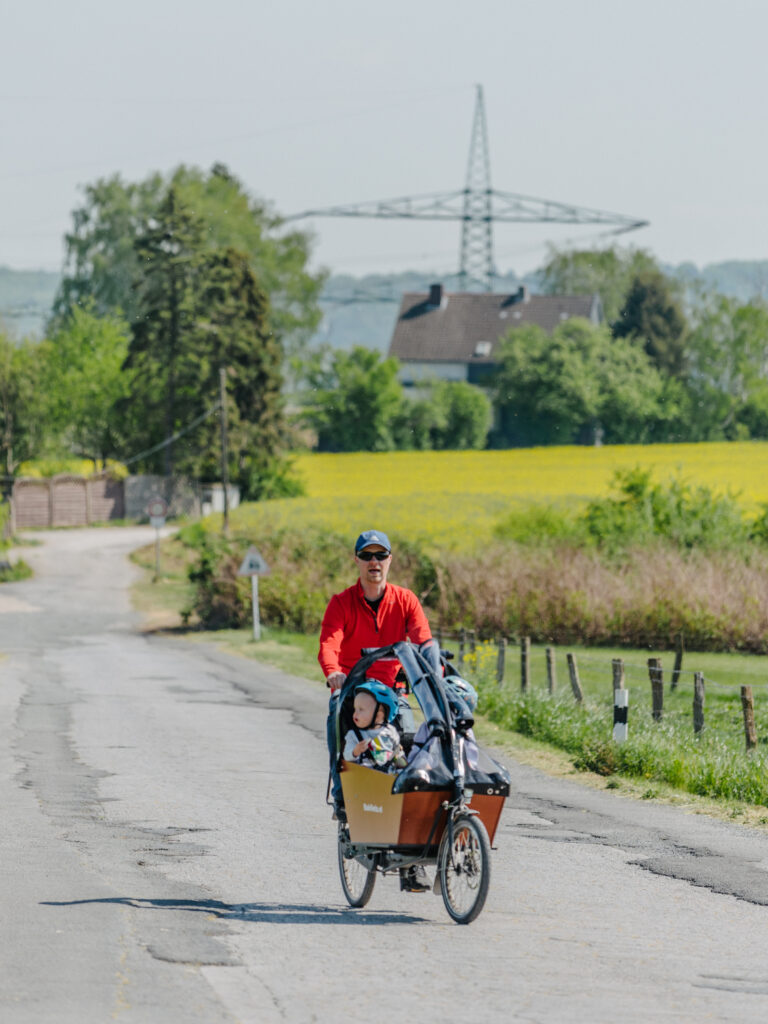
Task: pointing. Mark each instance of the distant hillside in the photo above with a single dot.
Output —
(26, 297)
(362, 310)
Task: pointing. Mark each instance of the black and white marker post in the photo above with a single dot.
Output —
(254, 566)
(620, 709)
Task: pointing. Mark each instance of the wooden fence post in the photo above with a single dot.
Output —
(472, 641)
(462, 644)
(678, 666)
(439, 637)
(657, 687)
(617, 668)
(500, 658)
(525, 663)
(748, 707)
(551, 670)
(698, 701)
(573, 672)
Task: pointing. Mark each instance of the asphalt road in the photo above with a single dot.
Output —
(167, 855)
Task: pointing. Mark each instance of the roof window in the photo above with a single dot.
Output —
(482, 348)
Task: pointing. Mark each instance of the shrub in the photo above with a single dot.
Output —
(222, 598)
(677, 512)
(539, 524)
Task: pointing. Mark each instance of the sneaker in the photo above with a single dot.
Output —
(339, 812)
(414, 879)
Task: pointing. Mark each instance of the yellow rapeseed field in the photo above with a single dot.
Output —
(455, 498)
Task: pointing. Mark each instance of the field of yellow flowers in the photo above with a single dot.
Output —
(454, 499)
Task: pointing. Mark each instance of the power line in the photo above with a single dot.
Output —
(170, 440)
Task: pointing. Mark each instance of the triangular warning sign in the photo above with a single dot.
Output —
(253, 564)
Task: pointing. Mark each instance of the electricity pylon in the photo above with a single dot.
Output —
(477, 206)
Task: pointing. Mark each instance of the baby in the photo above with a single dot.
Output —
(373, 740)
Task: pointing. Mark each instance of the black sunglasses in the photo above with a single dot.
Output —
(380, 556)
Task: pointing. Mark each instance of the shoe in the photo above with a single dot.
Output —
(414, 879)
(339, 812)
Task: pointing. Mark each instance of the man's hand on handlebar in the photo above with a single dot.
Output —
(335, 680)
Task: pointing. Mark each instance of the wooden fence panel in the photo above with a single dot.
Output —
(31, 503)
(70, 501)
(106, 499)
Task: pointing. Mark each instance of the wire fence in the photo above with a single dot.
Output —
(600, 680)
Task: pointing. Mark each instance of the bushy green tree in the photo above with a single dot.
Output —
(353, 400)
(448, 415)
(576, 385)
(727, 370)
(22, 414)
(83, 381)
(468, 415)
(419, 421)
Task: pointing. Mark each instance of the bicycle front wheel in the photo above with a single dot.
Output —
(357, 880)
(464, 868)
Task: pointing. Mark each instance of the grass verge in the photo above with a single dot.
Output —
(13, 571)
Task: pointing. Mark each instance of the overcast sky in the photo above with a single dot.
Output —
(653, 109)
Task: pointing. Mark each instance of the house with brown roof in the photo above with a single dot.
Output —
(456, 335)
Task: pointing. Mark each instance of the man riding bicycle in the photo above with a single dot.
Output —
(370, 613)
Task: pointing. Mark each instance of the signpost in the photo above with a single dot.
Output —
(157, 510)
(254, 566)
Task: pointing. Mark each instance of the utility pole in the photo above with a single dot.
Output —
(476, 269)
(224, 449)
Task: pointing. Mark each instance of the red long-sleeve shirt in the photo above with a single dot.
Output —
(349, 624)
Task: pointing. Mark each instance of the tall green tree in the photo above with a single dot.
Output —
(162, 357)
(234, 332)
(652, 316)
(102, 261)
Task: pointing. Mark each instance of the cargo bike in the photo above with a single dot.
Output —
(441, 810)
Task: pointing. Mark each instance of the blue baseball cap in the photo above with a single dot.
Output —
(372, 537)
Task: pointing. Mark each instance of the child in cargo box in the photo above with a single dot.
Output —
(373, 740)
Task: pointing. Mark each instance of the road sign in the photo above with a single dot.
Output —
(157, 508)
(253, 564)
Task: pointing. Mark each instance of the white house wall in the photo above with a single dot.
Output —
(418, 373)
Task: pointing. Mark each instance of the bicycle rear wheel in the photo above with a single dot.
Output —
(357, 879)
(464, 868)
